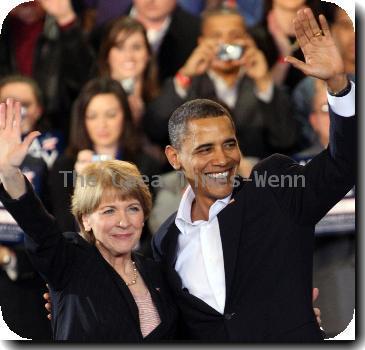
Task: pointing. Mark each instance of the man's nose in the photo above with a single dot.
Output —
(220, 157)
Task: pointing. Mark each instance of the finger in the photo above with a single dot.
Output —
(305, 24)
(297, 64)
(299, 33)
(312, 21)
(315, 293)
(49, 316)
(2, 116)
(9, 113)
(325, 27)
(48, 307)
(29, 139)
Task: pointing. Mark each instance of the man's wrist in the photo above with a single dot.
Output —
(337, 84)
(183, 80)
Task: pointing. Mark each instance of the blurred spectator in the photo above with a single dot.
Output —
(125, 56)
(100, 11)
(275, 36)
(250, 10)
(260, 109)
(101, 128)
(50, 143)
(171, 31)
(319, 121)
(43, 39)
(343, 32)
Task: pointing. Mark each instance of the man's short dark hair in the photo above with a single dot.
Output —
(192, 110)
(220, 11)
(17, 78)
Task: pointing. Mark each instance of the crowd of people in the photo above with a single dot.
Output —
(99, 80)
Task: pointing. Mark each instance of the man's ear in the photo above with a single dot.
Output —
(173, 157)
(86, 222)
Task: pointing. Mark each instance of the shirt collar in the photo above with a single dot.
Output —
(183, 216)
(154, 36)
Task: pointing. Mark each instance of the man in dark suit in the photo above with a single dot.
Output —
(261, 111)
(238, 252)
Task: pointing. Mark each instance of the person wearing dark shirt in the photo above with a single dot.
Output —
(260, 109)
(43, 39)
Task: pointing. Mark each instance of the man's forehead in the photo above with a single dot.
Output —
(209, 128)
(230, 19)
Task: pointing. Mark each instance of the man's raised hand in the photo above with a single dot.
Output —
(322, 57)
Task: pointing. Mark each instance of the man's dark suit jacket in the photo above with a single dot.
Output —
(267, 238)
(90, 302)
(262, 128)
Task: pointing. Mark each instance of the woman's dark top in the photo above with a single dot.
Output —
(90, 301)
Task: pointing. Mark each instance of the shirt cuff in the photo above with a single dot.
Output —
(343, 106)
(265, 96)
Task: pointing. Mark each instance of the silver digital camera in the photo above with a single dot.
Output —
(101, 157)
(228, 52)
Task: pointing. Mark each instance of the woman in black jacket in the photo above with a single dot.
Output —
(100, 289)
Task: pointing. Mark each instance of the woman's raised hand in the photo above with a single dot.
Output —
(12, 149)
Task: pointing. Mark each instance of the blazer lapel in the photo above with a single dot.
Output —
(230, 226)
(122, 288)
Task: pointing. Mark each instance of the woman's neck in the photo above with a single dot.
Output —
(122, 263)
(107, 150)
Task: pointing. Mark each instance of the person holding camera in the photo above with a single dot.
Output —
(226, 66)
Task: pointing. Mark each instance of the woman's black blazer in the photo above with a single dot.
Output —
(90, 301)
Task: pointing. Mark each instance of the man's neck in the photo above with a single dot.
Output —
(229, 78)
(154, 24)
(200, 209)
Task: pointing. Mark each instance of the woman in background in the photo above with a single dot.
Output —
(101, 128)
(126, 56)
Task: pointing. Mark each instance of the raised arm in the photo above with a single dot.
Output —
(50, 253)
(12, 149)
(331, 174)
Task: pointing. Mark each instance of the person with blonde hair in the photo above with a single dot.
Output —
(101, 290)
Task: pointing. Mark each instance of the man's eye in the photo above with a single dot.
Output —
(230, 145)
(204, 150)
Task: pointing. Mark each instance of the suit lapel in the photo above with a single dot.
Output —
(230, 226)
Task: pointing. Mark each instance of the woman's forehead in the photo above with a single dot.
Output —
(113, 196)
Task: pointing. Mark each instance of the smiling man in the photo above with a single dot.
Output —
(239, 258)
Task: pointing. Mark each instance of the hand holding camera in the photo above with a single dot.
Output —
(200, 59)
